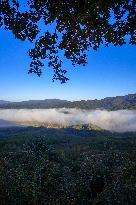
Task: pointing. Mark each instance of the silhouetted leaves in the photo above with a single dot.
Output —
(79, 26)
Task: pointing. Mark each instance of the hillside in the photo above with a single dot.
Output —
(3, 102)
(67, 167)
(108, 103)
(5, 123)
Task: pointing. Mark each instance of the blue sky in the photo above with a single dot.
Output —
(109, 72)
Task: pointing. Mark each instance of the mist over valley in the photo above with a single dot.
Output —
(117, 121)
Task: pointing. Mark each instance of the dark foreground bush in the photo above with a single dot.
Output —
(41, 167)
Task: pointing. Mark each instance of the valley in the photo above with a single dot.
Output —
(55, 152)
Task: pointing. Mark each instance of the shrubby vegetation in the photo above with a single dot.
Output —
(67, 166)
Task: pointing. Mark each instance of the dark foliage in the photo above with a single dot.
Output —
(79, 26)
(41, 166)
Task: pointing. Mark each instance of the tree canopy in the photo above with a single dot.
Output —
(79, 26)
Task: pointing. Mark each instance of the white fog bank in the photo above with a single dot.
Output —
(120, 121)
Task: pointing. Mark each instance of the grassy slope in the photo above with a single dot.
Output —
(67, 166)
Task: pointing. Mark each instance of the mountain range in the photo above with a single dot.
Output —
(108, 103)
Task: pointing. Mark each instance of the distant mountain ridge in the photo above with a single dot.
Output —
(108, 103)
(3, 102)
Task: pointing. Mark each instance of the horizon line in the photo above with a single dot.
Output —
(9, 101)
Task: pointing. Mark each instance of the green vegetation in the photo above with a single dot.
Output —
(67, 167)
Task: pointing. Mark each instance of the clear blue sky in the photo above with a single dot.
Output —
(109, 72)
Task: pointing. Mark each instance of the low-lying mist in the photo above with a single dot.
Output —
(119, 121)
